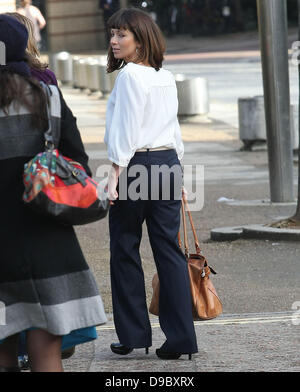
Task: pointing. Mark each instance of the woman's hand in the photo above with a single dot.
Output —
(113, 179)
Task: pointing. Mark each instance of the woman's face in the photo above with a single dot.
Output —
(123, 44)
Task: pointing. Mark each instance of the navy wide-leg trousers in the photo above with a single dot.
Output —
(162, 218)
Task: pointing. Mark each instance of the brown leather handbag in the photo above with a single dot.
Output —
(205, 301)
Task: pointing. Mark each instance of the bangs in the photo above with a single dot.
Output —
(119, 21)
(145, 32)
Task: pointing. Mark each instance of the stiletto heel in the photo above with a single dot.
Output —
(167, 355)
(120, 349)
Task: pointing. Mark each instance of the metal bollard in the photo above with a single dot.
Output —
(252, 121)
(92, 75)
(104, 79)
(75, 62)
(193, 96)
(53, 61)
(82, 74)
(113, 77)
(64, 67)
(102, 59)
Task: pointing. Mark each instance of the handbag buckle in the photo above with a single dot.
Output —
(49, 145)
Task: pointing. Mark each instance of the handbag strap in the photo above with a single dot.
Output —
(186, 245)
(184, 209)
(49, 142)
(179, 240)
(185, 206)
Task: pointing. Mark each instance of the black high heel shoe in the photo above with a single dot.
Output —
(166, 355)
(120, 349)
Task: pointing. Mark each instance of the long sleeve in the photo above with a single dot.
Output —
(70, 143)
(179, 143)
(126, 120)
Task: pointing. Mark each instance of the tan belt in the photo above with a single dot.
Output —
(154, 149)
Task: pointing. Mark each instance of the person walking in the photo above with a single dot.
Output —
(35, 15)
(109, 7)
(143, 134)
(45, 283)
(41, 72)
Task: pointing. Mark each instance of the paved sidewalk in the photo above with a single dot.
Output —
(256, 279)
(230, 343)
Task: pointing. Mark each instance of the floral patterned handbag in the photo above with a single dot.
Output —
(58, 187)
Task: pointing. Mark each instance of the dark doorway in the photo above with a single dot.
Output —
(41, 4)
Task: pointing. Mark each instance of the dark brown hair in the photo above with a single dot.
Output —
(23, 91)
(146, 33)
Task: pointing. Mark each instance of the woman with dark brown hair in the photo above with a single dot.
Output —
(143, 135)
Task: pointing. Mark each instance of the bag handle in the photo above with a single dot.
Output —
(184, 205)
(186, 245)
(184, 209)
(49, 142)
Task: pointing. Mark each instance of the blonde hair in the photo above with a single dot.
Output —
(32, 53)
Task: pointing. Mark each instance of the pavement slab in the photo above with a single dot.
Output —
(230, 343)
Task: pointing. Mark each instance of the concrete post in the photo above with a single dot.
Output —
(297, 213)
(252, 120)
(193, 97)
(272, 19)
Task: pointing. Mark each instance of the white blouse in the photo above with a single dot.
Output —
(142, 113)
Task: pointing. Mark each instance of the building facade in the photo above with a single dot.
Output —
(72, 25)
(7, 6)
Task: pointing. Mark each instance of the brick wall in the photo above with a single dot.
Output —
(75, 25)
